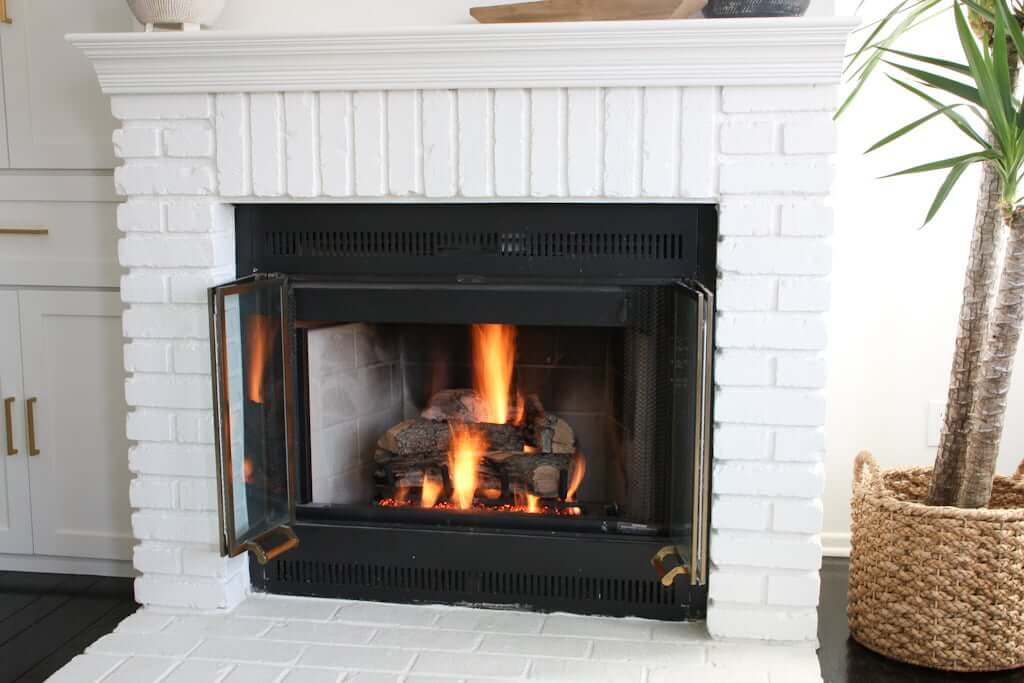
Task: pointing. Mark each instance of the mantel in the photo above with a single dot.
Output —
(584, 54)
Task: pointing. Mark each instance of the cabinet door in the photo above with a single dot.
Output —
(15, 514)
(56, 115)
(75, 418)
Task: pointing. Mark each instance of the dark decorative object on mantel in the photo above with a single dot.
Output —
(728, 9)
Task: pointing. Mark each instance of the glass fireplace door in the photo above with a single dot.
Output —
(251, 332)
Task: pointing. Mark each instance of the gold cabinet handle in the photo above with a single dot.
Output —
(3, 13)
(23, 231)
(9, 421)
(30, 413)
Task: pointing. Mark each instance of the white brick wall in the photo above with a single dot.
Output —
(761, 152)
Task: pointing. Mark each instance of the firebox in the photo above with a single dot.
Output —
(488, 404)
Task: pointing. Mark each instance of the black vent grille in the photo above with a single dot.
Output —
(550, 240)
(479, 586)
(319, 244)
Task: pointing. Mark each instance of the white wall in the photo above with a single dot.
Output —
(896, 289)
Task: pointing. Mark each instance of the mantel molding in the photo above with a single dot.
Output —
(584, 54)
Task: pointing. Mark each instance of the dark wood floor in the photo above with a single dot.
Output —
(843, 660)
(46, 619)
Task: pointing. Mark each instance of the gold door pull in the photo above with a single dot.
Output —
(9, 422)
(3, 13)
(30, 414)
(24, 231)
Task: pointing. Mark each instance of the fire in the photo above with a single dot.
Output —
(532, 504)
(431, 492)
(494, 354)
(464, 453)
(259, 333)
(579, 468)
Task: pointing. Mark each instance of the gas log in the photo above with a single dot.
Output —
(505, 472)
(420, 435)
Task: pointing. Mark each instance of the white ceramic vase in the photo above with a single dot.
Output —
(189, 14)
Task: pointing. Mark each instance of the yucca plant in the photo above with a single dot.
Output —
(977, 97)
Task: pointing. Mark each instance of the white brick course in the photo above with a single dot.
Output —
(764, 149)
(137, 141)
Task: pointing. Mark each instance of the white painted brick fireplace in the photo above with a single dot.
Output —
(735, 112)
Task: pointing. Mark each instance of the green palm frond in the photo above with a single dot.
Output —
(982, 87)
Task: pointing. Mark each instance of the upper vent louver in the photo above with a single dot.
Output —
(318, 244)
(490, 240)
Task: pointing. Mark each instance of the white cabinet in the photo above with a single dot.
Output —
(68, 425)
(56, 115)
(15, 518)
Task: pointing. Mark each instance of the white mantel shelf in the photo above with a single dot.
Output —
(583, 54)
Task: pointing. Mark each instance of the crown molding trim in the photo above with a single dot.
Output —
(579, 54)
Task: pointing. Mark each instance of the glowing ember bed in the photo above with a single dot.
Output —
(512, 407)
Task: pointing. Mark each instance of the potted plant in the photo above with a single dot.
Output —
(937, 559)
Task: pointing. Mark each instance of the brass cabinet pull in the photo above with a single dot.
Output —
(23, 231)
(31, 414)
(3, 13)
(9, 422)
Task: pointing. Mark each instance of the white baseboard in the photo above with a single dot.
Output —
(65, 565)
(835, 544)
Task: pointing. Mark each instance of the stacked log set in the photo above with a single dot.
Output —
(536, 456)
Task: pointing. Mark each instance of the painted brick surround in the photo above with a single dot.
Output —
(760, 151)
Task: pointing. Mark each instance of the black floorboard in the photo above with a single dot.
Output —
(843, 660)
(47, 619)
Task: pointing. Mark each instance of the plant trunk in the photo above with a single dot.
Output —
(974, 311)
(950, 461)
(993, 385)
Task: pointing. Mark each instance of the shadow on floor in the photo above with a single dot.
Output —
(47, 619)
(845, 661)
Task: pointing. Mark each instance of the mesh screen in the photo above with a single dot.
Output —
(646, 408)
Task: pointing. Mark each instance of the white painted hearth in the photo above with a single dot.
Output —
(730, 111)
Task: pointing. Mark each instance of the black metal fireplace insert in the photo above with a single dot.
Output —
(490, 404)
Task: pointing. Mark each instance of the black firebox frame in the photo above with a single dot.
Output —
(359, 257)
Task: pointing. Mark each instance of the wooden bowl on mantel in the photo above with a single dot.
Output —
(586, 10)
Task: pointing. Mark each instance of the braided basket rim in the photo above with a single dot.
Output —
(864, 487)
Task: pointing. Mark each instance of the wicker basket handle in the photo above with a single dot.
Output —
(865, 471)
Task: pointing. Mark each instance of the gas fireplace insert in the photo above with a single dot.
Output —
(497, 404)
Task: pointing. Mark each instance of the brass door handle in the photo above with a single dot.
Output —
(24, 231)
(9, 421)
(3, 13)
(30, 413)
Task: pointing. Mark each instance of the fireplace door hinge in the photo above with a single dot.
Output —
(251, 332)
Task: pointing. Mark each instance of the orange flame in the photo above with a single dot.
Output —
(259, 333)
(464, 453)
(579, 468)
(430, 493)
(402, 495)
(532, 504)
(520, 410)
(494, 354)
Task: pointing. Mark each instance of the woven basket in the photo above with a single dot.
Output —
(941, 587)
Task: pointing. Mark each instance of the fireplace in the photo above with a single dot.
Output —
(501, 404)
